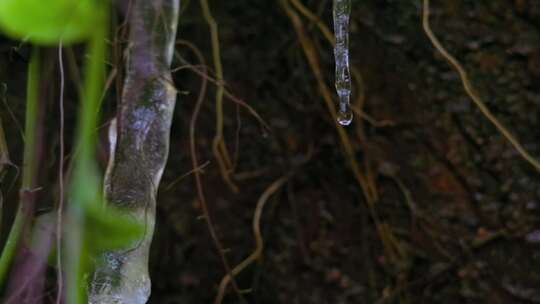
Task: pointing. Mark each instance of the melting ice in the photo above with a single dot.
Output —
(342, 12)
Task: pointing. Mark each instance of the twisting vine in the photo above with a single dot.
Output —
(195, 164)
(219, 147)
(469, 89)
(259, 242)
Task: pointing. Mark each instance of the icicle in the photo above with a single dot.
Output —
(139, 145)
(342, 12)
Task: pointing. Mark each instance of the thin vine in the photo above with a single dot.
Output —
(469, 89)
(219, 147)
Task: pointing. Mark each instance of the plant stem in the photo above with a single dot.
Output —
(85, 187)
(29, 167)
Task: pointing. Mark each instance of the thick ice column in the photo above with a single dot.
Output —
(139, 148)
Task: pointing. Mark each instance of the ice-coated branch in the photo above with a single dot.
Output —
(139, 141)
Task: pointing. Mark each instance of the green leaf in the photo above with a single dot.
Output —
(109, 228)
(48, 22)
(105, 227)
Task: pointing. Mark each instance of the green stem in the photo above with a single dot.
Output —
(29, 167)
(85, 186)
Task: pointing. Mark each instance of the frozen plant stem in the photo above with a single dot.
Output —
(342, 13)
(139, 142)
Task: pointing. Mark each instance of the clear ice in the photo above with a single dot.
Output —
(139, 145)
(342, 12)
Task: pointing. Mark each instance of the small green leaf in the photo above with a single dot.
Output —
(105, 227)
(109, 228)
(51, 21)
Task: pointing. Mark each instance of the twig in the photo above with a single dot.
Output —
(218, 145)
(259, 242)
(181, 177)
(10, 112)
(197, 173)
(60, 180)
(197, 69)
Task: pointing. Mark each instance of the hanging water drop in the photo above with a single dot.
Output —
(342, 12)
(345, 117)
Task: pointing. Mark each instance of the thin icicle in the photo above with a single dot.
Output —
(342, 12)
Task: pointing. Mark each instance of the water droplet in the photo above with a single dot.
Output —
(345, 117)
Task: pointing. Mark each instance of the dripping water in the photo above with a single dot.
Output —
(342, 12)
